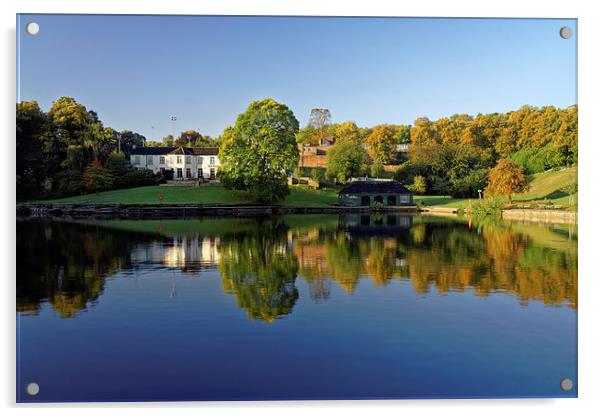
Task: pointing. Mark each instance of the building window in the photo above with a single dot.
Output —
(179, 173)
(200, 173)
(136, 160)
(188, 173)
(179, 160)
(211, 161)
(149, 160)
(200, 160)
(188, 159)
(161, 160)
(212, 173)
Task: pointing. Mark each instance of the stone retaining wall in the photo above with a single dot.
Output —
(541, 215)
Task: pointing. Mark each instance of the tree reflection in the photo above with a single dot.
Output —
(66, 263)
(450, 255)
(495, 256)
(258, 267)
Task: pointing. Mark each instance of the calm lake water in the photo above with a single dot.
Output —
(295, 307)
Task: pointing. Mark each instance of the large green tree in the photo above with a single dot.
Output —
(72, 129)
(130, 140)
(260, 151)
(345, 160)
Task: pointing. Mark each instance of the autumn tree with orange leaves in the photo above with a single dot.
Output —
(506, 178)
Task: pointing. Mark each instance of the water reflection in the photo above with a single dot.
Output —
(258, 267)
(259, 260)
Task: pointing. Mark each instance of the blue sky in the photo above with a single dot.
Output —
(136, 71)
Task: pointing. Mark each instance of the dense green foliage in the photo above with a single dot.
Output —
(490, 205)
(97, 178)
(382, 139)
(455, 154)
(345, 160)
(459, 170)
(418, 186)
(260, 151)
(55, 149)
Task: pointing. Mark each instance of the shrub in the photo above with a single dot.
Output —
(97, 178)
(377, 206)
(406, 172)
(488, 206)
(118, 165)
(377, 169)
(318, 174)
(468, 186)
(418, 186)
(66, 183)
(140, 177)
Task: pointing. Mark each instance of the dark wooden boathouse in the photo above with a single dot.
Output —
(367, 192)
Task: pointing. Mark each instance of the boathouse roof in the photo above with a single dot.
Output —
(375, 187)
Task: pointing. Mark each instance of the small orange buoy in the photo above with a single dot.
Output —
(161, 198)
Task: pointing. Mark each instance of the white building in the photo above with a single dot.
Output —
(184, 162)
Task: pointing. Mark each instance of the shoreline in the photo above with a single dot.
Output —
(174, 211)
(167, 211)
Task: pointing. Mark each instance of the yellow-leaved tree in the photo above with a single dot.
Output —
(506, 178)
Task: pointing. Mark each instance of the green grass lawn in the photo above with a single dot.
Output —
(440, 201)
(548, 186)
(217, 194)
(544, 187)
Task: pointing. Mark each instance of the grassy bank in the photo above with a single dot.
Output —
(544, 188)
(299, 196)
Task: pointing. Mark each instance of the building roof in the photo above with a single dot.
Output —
(200, 151)
(375, 187)
(204, 151)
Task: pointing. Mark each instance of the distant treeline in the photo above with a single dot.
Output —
(451, 155)
(68, 150)
(454, 155)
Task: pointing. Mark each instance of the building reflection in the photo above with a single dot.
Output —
(189, 253)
